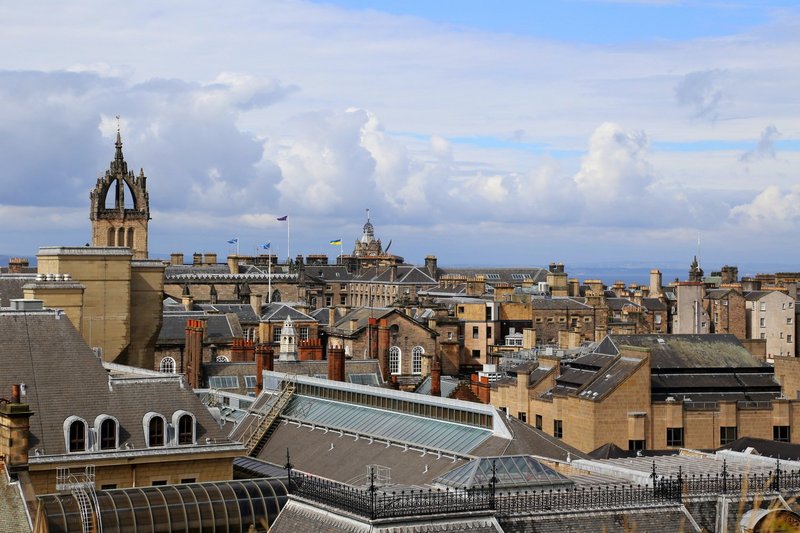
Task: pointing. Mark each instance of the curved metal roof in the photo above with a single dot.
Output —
(218, 506)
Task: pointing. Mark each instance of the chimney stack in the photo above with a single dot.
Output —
(264, 361)
(176, 258)
(436, 377)
(336, 364)
(197, 259)
(17, 264)
(15, 432)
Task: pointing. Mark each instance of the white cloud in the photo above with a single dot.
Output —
(765, 149)
(772, 209)
(616, 168)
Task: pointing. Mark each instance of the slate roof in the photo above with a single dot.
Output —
(654, 304)
(753, 296)
(278, 312)
(12, 505)
(405, 275)
(362, 315)
(768, 448)
(527, 441)
(329, 273)
(11, 287)
(616, 304)
(219, 328)
(63, 378)
(321, 315)
(244, 312)
(686, 351)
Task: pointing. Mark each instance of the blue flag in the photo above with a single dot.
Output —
(266, 246)
(234, 241)
(283, 218)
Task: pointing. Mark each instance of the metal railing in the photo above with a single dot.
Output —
(373, 503)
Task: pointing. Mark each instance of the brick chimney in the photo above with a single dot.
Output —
(336, 364)
(195, 332)
(383, 347)
(372, 338)
(310, 350)
(176, 258)
(15, 432)
(17, 264)
(431, 265)
(264, 361)
(210, 258)
(436, 377)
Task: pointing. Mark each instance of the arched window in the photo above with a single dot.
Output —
(77, 436)
(276, 295)
(121, 237)
(110, 240)
(155, 429)
(186, 429)
(222, 359)
(416, 359)
(394, 360)
(130, 238)
(108, 434)
(167, 365)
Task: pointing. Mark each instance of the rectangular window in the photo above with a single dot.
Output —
(635, 445)
(489, 312)
(657, 319)
(475, 333)
(762, 322)
(763, 306)
(460, 309)
(558, 428)
(488, 332)
(304, 333)
(788, 338)
(108, 486)
(158, 482)
(789, 321)
(223, 382)
(538, 421)
(523, 416)
(342, 299)
(727, 434)
(276, 334)
(328, 301)
(188, 480)
(250, 382)
(674, 436)
(476, 353)
(781, 433)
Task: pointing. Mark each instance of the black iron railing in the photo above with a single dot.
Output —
(373, 502)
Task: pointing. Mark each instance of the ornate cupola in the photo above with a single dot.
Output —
(367, 244)
(120, 224)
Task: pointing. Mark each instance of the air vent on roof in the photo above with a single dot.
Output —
(661, 341)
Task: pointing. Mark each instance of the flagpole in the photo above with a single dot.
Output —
(269, 276)
(237, 245)
(288, 250)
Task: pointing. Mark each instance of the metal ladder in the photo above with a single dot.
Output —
(269, 418)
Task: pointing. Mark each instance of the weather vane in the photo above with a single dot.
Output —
(117, 123)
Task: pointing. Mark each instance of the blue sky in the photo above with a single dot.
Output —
(588, 21)
(512, 132)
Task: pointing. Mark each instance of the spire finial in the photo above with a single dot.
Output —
(118, 155)
(368, 214)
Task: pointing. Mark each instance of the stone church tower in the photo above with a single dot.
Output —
(121, 225)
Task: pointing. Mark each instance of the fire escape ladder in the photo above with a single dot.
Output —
(254, 443)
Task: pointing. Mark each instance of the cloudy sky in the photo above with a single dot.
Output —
(512, 132)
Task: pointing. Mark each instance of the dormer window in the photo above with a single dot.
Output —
(186, 430)
(155, 427)
(156, 431)
(77, 436)
(186, 425)
(106, 429)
